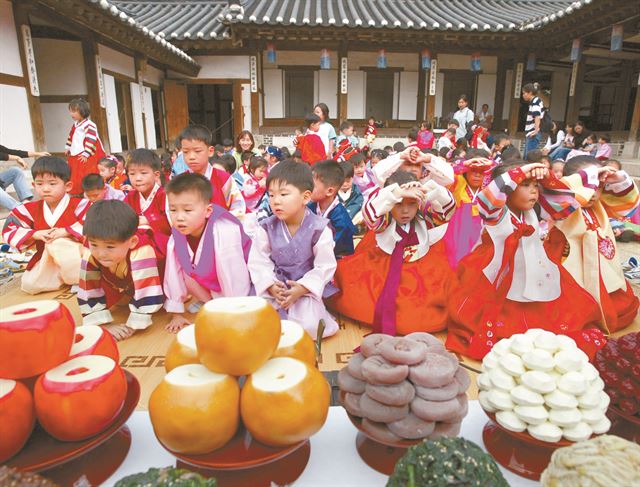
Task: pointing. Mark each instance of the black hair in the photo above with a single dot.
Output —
(500, 169)
(324, 109)
(293, 173)
(110, 220)
(357, 159)
(81, 106)
(257, 162)
(187, 181)
(534, 155)
(398, 147)
(262, 147)
(246, 156)
(347, 169)
(218, 148)
(615, 162)
(346, 125)
(92, 181)
(310, 119)
(228, 162)
(144, 157)
(511, 153)
(286, 153)
(109, 163)
(457, 153)
(401, 177)
(379, 154)
(532, 88)
(387, 149)
(606, 138)
(500, 137)
(426, 124)
(329, 172)
(453, 121)
(413, 134)
(197, 132)
(53, 165)
(472, 152)
(444, 152)
(464, 98)
(577, 163)
(462, 142)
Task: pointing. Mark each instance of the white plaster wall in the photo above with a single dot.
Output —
(508, 94)
(559, 94)
(60, 67)
(439, 93)
(295, 58)
(328, 89)
(10, 54)
(15, 120)
(117, 62)
(113, 121)
(136, 109)
(246, 106)
(57, 123)
(486, 92)
(463, 61)
(356, 94)
(223, 67)
(408, 95)
(273, 91)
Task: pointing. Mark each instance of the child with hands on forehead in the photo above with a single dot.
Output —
(398, 280)
(509, 284)
(291, 260)
(424, 166)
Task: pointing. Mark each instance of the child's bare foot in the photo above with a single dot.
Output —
(177, 323)
(119, 332)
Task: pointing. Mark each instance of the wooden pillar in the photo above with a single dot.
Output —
(98, 113)
(498, 102)
(623, 90)
(422, 76)
(516, 87)
(21, 17)
(431, 80)
(238, 115)
(575, 88)
(634, 128)
(342, 97)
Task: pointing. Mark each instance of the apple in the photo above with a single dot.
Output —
(284, 402)
(34, 337)
(80, 397)
(182, 350)
(94, 340)
(194, 410)
(18, 417)
(296, 343)
(236, 336)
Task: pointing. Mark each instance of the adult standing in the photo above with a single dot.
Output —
(326, 132)
(534, 116)
(244, 143)
(463, 116)
(15, 176)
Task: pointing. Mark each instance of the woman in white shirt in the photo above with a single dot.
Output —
(326, 132)
(555, 140)
(464, 115)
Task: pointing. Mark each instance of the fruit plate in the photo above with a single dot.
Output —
(519, 452)
(42, 451)
(242, 452)
(624, 425)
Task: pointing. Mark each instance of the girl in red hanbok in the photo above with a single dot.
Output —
(508, 284)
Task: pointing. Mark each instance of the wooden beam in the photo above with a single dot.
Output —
(65, 99)
(498, 103)
(622, 94)
(422, 74)
(21, 17)
(238, 115)
(573, 103)
(98, 114)
(634, 128)
(141, 70)
(12, 80)
(343, 98)
(514, 108)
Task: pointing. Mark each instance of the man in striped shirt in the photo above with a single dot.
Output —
(534, 116)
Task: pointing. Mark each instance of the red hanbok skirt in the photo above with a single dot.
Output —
(473, 299)
(619, 308)
(80, 169)
(421, 303)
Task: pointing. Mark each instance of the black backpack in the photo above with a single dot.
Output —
(546, 122)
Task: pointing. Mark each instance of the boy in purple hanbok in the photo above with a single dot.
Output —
(291, 261)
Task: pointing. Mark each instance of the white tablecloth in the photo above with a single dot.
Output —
(334, 460)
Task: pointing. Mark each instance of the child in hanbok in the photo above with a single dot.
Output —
(207, 251)
(291, 260)
(253, 187)
(398, 282)
(584, 243)
(466, 224)
(509, 284)
(53, 224)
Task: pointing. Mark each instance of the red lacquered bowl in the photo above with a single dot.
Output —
(43, 452)
(624, 425)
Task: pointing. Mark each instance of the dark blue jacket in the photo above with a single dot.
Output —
(354, 204)
(342, 227)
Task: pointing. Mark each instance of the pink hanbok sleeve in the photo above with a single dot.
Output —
(233, 274)
(175, 289)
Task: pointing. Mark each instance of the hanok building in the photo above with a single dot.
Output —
(149, 67)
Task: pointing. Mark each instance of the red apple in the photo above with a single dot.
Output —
(34, 337)
(17, 417)
(81, 397)
(94, 340)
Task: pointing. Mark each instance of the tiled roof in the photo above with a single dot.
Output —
(212, 19)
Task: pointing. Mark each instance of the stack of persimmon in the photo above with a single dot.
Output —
(199, 405)
(67, 378)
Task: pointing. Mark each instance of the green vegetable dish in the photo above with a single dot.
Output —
(166, 477)
(446, 462)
